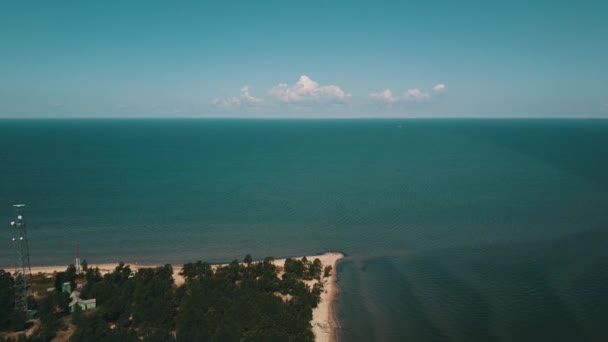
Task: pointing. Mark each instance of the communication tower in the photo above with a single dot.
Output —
(77, 264)
(23, 269)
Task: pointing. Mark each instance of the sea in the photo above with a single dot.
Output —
(453, 229)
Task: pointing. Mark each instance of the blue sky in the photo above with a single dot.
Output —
(304, 59)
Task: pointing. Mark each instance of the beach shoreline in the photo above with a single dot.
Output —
(323, 321)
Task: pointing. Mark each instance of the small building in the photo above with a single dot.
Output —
(84, 304)
(66, 287)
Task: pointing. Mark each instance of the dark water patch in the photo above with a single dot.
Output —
(543, 291)
(397, 314)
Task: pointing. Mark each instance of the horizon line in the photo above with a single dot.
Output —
(312, 118)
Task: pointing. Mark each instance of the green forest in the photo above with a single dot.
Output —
(248, 301)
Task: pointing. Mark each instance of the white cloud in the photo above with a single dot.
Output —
(385, 96)
(439, 88)
(245, 99)
(307, 90)
(416, 95)
(226, 102)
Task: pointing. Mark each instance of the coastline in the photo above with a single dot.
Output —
(323, 321)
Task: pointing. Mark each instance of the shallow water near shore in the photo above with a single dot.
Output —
(455, 230)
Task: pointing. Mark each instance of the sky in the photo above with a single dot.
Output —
(303, 59)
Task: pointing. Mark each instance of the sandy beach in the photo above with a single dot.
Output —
(323, 320)
(323, 323)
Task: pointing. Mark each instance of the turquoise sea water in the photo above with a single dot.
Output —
(455, 230)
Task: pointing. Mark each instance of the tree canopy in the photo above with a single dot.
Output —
(246, 301)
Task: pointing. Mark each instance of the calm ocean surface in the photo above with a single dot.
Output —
(455, 230)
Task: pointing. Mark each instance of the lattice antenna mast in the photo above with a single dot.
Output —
(23, 269)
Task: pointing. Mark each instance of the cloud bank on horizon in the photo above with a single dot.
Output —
(310, 92)
(304, 91)
(234, 101)
(414, 94)
(307, 90)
